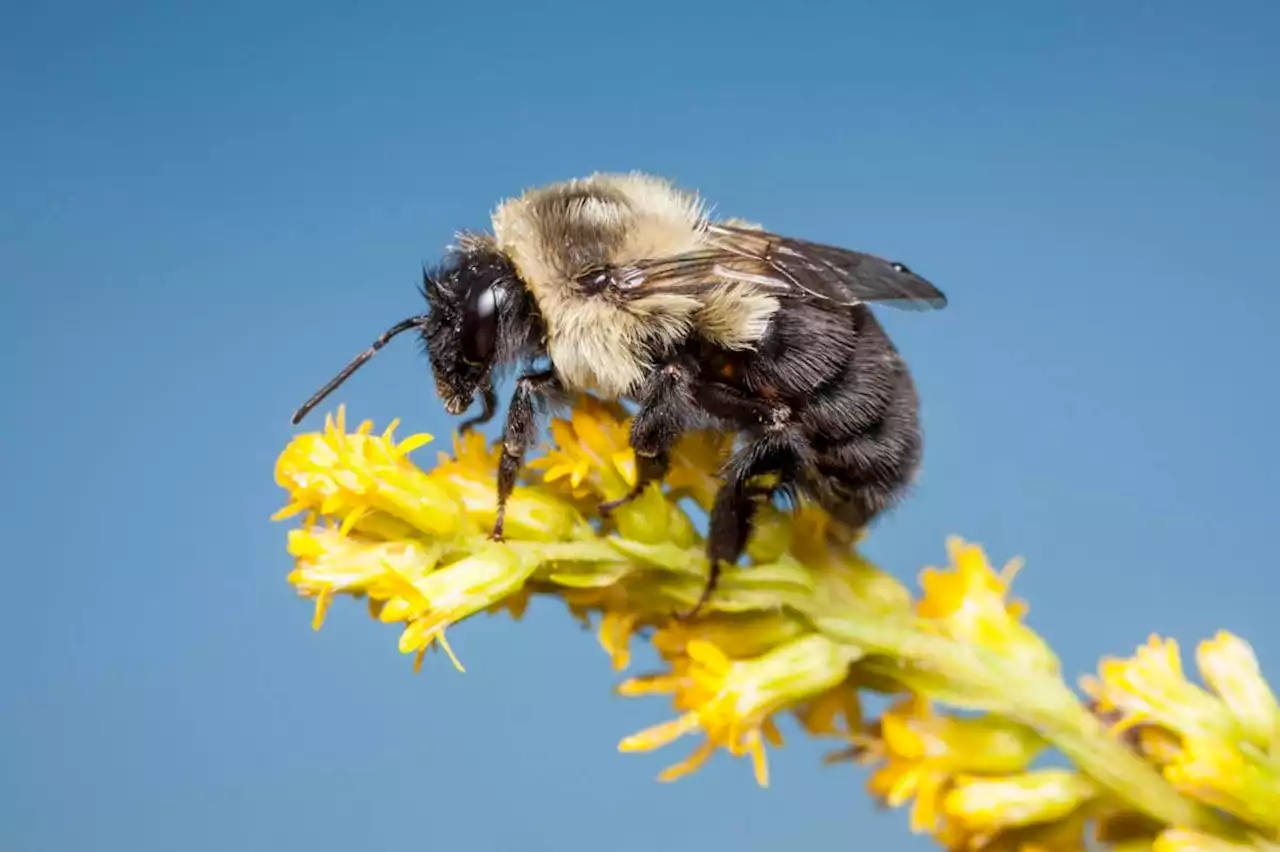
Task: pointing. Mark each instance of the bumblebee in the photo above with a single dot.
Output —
(623, 285)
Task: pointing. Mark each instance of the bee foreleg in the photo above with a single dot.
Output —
(782, 452)
(490, 406)
(666, 404)
(519, 435)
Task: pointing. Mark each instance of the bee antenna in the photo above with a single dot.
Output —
(356, 363)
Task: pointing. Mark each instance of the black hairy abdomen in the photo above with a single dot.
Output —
(850, 400)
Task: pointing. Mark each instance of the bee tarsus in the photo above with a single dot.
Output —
(520, 433)
(649, 469)
(490, 408)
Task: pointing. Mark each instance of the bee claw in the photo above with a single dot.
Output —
(707, 591)
(686, 617)
(608, 507)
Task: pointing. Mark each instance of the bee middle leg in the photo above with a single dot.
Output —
(780, 450)
(666, 409)
(671, 400)
(519, 435)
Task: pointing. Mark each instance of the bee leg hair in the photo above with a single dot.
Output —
(520, 434)
(665, 411)
(780, 450)
(490, 406)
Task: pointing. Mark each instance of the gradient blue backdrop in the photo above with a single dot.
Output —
(205, 213)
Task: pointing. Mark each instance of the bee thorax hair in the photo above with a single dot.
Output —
(553, 233)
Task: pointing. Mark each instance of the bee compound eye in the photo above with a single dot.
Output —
(479, 335)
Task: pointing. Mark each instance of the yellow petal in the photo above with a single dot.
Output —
(1231, 668)
(690, 764)
(412, 443)
(651, 685)
(659, 735)
(1151, 686)
(990, 804)
(1184, 840)
(322, 607)
(759, 759)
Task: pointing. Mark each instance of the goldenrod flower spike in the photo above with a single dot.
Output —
(800, 635)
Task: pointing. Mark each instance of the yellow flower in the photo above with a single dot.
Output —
(351, 476)
(679, 574)
(733, 702)
(616, 630)
(514, 605)
(746, 636)
(923, 753)
(1064, 835)
(1231, 669)
(805, 532)
(592, 461)
(1184, 840)
(1215, 748)
(433, 602)
(737, 635)
(329, 563)
(834, 713)
(405, 581)
(619, 619)
(969, 603)
(591, 457)
(1157, 744)
(986, 805)
(695, 466)
(808, 536)
(653, 519)
(1151, 688)
(1241, 781)
(471, 476)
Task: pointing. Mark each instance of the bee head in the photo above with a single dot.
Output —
(473, 311)
(479, 318)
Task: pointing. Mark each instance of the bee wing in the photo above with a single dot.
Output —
(784, 266)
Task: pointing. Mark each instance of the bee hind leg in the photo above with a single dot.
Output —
(519, 434)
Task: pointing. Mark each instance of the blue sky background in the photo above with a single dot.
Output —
(207, 208)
